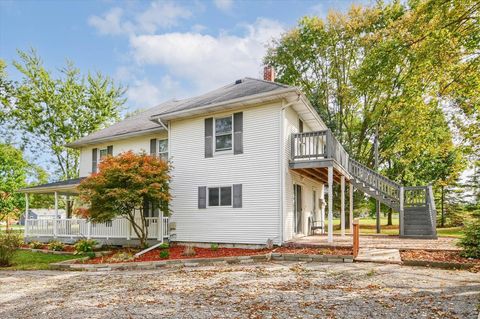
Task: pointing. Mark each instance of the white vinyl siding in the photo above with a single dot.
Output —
(136, 144)
(256, 169)
(291, 125)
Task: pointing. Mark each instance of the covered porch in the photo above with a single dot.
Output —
(116, 232)
(319, 157)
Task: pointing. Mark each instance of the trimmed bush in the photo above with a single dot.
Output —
(9, 243)
(36, 245)
(470, 242)
(164, 254)
(164, 246)
(55, 245)
(84, 246)
(214, 247)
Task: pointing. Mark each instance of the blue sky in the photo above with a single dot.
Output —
(159, 49)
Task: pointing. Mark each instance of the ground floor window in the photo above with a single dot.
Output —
(220, 196)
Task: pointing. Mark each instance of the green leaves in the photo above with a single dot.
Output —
(53, 111)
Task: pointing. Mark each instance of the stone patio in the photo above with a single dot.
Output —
(377, 241)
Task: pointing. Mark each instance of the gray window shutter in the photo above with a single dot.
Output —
(237, 196)
(202, 197)
(110, 150)
(153, 146)
(238, 133)
(94, 160)
(209, 137)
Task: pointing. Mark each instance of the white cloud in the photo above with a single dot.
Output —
(207, 61)
(108, 24)
(145, 94)
(163, 15)
(224, 5)
(160, 14)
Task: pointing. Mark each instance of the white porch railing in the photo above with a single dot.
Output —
(83, 228)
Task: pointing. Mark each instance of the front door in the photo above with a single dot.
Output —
(297, 208)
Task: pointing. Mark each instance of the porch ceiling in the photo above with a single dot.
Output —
(320, 174)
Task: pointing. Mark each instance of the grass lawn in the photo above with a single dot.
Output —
(368, 227)
(27, 260)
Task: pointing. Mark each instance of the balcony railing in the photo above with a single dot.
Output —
(318, 145)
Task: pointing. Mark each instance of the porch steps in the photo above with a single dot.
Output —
(379, 255)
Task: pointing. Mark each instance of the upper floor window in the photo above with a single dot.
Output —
(163, 149)
(223, 133)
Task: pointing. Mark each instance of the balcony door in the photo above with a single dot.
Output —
(297, 209)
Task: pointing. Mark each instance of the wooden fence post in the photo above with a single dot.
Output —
(356, 237)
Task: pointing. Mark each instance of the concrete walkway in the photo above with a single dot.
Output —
(379, 255)
(378, 241)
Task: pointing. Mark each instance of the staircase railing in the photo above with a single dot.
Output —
(375, 180)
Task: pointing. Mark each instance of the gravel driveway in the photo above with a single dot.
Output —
(265, 290)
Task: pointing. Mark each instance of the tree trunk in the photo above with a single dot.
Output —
(389, 220)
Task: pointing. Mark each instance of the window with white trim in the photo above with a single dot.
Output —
(103, 153)
(163, 149)
(223, 133)
(220, 196)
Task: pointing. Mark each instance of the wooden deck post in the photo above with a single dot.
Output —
(356, 237)
(159, 227)
(351, 207)
(330, 204)
(401, 212)
(342, 206)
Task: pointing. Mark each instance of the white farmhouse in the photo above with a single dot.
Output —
(252, 161)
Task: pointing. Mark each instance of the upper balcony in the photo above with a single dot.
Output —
(313, 152)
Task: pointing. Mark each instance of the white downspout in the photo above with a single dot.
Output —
(282, 167)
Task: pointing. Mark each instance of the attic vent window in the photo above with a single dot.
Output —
(238, 81)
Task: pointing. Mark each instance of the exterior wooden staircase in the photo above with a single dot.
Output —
(313, 152)
(415, 205)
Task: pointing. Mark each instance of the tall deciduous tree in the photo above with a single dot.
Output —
(53, 111)
(123, 186)
(13, 174)
(389, 71)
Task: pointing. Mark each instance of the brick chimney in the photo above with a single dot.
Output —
(269, 73)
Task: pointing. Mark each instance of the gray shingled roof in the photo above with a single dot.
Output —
(239, 89)
(142, 122)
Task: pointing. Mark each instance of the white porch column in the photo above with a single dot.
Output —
(25, 229)
(330, 204)
(351, 207)
(159, 227)
(342, 205)
(56, 216)
(322, 208)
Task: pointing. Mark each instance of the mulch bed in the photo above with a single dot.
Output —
(177, 252)
(314, 251)
(440, 256)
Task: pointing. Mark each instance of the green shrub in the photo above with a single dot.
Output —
(164, 254)
(90, 254)
(470, 242)
(9, 243)
(36, 245)
(84, 246)
(164, 246)
(55, 245)
(214, 247)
